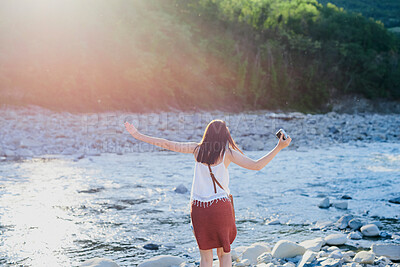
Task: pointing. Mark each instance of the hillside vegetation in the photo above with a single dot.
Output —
(157, 54)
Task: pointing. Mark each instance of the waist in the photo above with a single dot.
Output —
(200, 198)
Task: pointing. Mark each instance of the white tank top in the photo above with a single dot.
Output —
(202, 192)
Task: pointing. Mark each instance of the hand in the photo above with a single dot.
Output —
(284, 143)
(131, 129)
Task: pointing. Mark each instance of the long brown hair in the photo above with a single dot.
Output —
(213, 143)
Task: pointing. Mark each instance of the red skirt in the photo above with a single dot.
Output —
(214, 225)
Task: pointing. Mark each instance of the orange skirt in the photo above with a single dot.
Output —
(214, 226)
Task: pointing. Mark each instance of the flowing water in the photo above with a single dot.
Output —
(55, 211)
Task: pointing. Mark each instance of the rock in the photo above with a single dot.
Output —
(313, 244)
(364, 257)
(273, 222)
(392, 251)
(253, 251)
(385, 235)
(395, 200)
(237, 252)
(307, 258)
(322, 225)
(234, 255)
(336, 239)
(354, 235)
(324, 203)
(322, 254)
(349, 253)
(162, 261)
(289, 264)
(378, 224)
(382, 261)
(266, 265)
(355, 224)
(266, 257)
(346, 197)
(245, 262)
(99, 262)
(337, 254)
(151, 246)
(332, 248)
(287, 249)
(329, 262)
(370, 230)
(333, 130)
(181, 189)
(343, 205)
(343, 222)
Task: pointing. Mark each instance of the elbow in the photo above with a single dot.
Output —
(257, 167)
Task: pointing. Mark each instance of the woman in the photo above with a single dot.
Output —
(211, 210)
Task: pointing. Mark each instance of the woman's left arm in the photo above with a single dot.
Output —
(182, 147)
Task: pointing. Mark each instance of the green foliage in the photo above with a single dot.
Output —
(293, 52)
(386, 11)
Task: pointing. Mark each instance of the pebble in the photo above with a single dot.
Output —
(99, 262)
(395, 200)
(313, 244)
(162, 261)
(273, 222)
(324, 204)
(151, 246)
(370, 230)
(355, 224)
(252, 252)
(343, 222)
(331, 262)
(181, 189)
(336, 239)
(287, 249)
(337, 254)
(307, 258)
(354, 236)
(343, 205)
(364, 257)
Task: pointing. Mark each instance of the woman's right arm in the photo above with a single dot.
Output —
(248, 163)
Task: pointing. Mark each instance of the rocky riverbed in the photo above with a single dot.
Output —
(33, 131)
(69, 197)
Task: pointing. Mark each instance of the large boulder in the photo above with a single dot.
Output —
(392, 251)
(287, 249)
(364, 257)
(99, 262)
(253, 251)
(336, 239)
(313, 244)
(161, 261)
(370, 230)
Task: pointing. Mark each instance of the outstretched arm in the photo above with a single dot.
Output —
(182, 147)
(248, 163)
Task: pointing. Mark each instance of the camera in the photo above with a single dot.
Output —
(280, 132)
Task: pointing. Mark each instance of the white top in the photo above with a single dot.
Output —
(203, 186)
